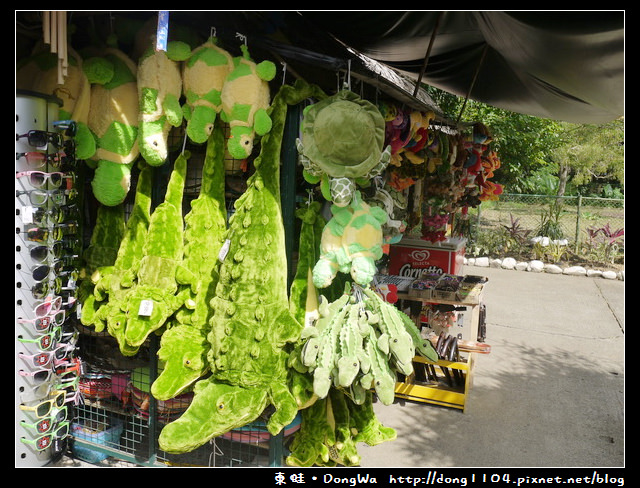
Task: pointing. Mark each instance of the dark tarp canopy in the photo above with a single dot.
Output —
(565, 65)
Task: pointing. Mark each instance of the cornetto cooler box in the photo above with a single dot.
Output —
(411, 257)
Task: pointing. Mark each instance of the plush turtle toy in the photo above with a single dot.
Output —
(159, 91)
(245, 100)
(113, 120)
(203, 76)
(351, 243)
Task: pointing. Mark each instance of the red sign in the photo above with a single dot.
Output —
(412, 261)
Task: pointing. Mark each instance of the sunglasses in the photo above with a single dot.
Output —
(39, 376)
(45, 441)
(45, 425)
(41, 272)
(55, 249)
(48, 307)
(70, 127)
(58, 197)
(58, 268)
(36, 159)
(44, 288)
(67, 382)
(39, 179)
(51, 305)
(43, 252)
(47, 341)
(48, 216)
(44, 408)
(42, 324)
(55, 232)
(40, 138)
(46, 358)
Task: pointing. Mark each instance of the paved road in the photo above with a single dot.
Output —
(550, 394)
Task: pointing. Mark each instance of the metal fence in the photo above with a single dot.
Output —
(574, 218)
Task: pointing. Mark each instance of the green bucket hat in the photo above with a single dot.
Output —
(343, 135)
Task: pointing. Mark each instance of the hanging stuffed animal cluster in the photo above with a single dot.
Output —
(438, 171)
(125, 109)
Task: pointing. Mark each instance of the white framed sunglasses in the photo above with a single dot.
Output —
(39, 179)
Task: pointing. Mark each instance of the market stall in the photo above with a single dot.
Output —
(258, 258)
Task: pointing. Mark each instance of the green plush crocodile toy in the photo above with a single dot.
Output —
(154, 298)
(101, 253)
(111, 282)
(252, 327)
(184, 346)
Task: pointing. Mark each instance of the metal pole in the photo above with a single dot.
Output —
(577, 247)
(473, 81)
(427, 54)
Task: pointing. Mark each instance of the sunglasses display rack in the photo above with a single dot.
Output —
(47, 366)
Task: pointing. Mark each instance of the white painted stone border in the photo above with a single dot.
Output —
(536, 266)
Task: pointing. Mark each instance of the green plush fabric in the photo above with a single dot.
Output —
(245, 100)
(102, 252)
(303, 296)
(351, 243)
(112, 281)
(343, 134)
(203, 77)
(252, 327)
(159, 91)
(154, 298)
(184, 347)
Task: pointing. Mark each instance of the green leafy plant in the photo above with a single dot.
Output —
(556, 250)
(550, 225)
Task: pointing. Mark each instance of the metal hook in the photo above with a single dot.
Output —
(242, 37)
(184, 142)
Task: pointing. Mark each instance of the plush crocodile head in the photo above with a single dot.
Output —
(183, 350)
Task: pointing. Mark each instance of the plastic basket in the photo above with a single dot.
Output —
(108, 437)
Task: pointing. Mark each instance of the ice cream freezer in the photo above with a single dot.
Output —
(411, 257)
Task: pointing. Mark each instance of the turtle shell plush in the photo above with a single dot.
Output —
(342, 144)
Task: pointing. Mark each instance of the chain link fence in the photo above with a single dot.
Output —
(589, 227)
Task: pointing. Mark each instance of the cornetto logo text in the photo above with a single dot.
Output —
(418, 264)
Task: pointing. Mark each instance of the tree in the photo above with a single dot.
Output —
(543, 155)
(591, 155)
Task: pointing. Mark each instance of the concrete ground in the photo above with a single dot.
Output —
(550, 393)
